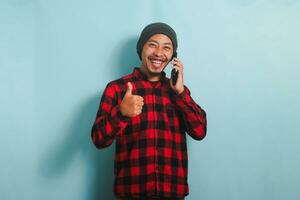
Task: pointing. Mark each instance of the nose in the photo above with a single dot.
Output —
(158, 51)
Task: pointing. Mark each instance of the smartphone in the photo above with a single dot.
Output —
(174, 73)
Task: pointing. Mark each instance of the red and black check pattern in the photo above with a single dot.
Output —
(151, 151)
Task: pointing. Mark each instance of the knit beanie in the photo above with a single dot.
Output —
(156, 28)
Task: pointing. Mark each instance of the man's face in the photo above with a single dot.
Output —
(156, 54)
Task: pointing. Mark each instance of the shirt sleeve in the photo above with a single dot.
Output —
(194, 117)
(109, 122)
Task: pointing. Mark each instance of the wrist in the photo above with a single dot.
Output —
(180, 91)
(121, 109)
(121, 113)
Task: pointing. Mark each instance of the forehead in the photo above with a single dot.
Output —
(161, 39)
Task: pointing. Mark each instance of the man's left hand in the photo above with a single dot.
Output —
(179, 87)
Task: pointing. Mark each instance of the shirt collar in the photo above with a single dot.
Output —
(137, 72)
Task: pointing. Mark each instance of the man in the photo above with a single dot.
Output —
(149, 116)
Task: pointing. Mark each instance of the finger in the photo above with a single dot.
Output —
(140, 104)
(176, 67)
(139, 98)
(138, 112)
(178, 64)
(141, 107)
(129, 89)
(177, 61)
(137, 108)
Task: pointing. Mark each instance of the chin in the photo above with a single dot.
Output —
(156, 70)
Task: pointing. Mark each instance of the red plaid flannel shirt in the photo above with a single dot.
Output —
(151, 150)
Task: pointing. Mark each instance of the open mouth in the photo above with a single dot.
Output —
(156, 62)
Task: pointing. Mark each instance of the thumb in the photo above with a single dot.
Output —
(129, 89)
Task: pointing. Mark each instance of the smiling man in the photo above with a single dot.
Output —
(149, 117)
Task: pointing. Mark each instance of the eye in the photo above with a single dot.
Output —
(167, 48)
(151, 44)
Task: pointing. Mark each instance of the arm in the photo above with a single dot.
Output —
(194, 117)
(109, 122)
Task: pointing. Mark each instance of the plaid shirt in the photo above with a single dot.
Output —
(151, 151)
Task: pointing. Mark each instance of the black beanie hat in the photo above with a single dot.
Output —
(156, 28)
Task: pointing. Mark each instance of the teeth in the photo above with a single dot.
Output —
(156, 62)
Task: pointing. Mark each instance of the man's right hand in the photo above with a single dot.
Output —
(131, 105)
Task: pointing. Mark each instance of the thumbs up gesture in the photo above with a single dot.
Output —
(131, 105)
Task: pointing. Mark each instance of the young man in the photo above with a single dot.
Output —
(149, 116)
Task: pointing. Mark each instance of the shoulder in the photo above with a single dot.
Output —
(120, 84)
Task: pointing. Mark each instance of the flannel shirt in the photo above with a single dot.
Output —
(151, 151)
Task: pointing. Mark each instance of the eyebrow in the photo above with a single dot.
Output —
(166, 43)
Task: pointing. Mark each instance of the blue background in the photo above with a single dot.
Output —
(241, 61)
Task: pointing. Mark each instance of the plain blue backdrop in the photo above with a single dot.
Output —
(241, 61)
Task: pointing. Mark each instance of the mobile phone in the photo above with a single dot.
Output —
(174, 73)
